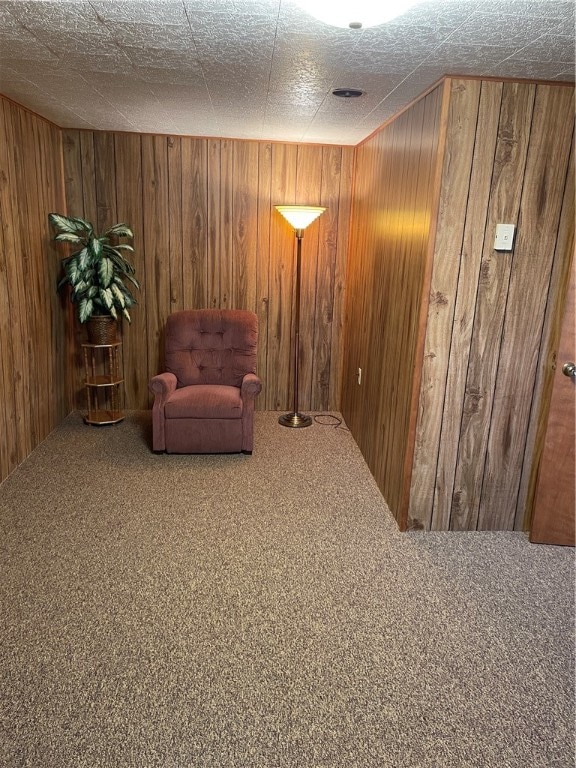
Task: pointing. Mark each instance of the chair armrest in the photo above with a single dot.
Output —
(251, 385)
(162, 385)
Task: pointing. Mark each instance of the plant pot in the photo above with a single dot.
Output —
(102, 329)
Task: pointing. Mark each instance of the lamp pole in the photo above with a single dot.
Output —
(296, 419)
(299, 216)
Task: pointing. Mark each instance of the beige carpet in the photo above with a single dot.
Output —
(264, 611)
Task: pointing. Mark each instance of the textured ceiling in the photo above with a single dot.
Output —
(261, 69)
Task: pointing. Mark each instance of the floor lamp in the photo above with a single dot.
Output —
(299, 216)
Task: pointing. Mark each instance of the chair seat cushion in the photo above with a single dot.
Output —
(204, 401)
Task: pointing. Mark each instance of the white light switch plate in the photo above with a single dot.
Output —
(504, 237)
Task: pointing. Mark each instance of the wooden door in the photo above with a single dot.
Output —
(554, 505)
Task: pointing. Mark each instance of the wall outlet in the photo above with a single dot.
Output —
(359, 376)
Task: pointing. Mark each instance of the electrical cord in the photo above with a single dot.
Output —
(335, 422)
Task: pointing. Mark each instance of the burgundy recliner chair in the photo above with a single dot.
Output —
(204, 403)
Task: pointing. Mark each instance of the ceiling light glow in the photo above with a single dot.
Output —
(356, 14)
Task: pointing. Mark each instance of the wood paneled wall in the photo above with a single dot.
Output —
(507, 161)
(390, 257)
(207, 235)
(34, 396)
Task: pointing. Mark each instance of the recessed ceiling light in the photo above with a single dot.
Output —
(347, 93)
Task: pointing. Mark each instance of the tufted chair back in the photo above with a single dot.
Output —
(211, 346)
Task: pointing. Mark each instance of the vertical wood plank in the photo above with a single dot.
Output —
(24, 153)
(340, 279)
(368, 164)
(509, 164)
(461, 132)
(8, 298)
(459, 337)
(263, 265)
(89, 176)
(40, 289)
(214, 214)
(379, 311)
(156, 245)
(430, 165)
(195, 222)
(55, 198)
(225, 225)
(128, 154)
(245, 225)
(540, 207)
(46, 273)
(19, 275)
(325, 278)
(73, 206)
(175, 223)
(62, 311)
(72, 160)
(105, 174)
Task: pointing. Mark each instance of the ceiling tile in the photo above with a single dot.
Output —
(547, 48)
(168, 37)
(141, 11)
(261, 68)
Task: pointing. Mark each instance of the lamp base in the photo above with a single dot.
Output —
(295, 420)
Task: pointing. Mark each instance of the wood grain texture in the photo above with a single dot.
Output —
(279, 374)
(559, 281)
(325, 356)
(504, 206)
(207, 234)
(8, 407)
(480, 397)
(460, 140)
(34, 383)
(195, 222)
(392, 213)
(554, 519)
(437, 122)
(340, 269)
(244, 226)
(128, 154)
(459, 336)
(225, 257)
(176, 254)
(263, 254)
(308, 170)
(540, 207)
(156, 246)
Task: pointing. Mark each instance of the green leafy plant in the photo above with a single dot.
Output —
(97, 271)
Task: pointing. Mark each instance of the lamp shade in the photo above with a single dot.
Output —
(300, 216)
(355, 13)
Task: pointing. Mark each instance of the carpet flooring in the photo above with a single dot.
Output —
(264, 612)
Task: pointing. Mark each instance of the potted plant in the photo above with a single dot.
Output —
(97, 273)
